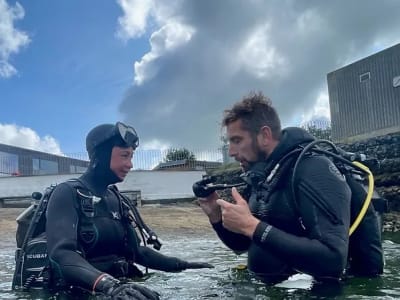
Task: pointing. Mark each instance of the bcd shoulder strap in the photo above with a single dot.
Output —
(272, 177)
(85, 206)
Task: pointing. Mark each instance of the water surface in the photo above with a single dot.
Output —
(226, 281)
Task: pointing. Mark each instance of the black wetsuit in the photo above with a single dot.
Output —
(115, 246)
(281, 244)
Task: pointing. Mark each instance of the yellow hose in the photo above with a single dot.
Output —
(367, 200)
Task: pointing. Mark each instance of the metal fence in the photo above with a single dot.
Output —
(23, 162)
(17, 164)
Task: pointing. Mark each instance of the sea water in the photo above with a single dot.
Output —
(228, 280)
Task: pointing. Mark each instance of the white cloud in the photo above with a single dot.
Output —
(138, 16)
(309, 22)
(7, 70)
(133, 23)
(260, 57)
(155, 144)
(320, 112)
(11, 39)
(205, 55)
(150, 154)
(168, 31)
(25, 137)
(166, 39)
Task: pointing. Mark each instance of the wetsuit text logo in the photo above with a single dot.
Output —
(36, 255)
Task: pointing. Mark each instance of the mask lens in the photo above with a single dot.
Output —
(128, 134)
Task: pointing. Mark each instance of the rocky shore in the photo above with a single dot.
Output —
(383, 159)
(385, 150)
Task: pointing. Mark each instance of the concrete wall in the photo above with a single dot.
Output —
(153, 185)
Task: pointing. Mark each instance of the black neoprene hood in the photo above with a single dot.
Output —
(120, 133)
(97, 135)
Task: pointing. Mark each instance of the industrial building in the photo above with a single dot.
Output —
(16, 161)
(364, 97)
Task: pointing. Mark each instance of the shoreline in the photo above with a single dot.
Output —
(182, 218)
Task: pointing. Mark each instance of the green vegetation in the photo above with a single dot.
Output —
(225, 168)
(178, 154)
(320, 133)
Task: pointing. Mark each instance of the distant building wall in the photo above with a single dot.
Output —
(364, 97)
(187, 165)
(26, 162)
(153, 185)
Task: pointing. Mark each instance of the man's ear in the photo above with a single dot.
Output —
(265, 136)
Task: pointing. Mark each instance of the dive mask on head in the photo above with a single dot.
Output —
(103, 133)
(128, 134)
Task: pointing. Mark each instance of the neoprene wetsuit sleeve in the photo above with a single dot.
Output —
(150, 258)
(236, 242)
(155, 260)
(324, 203)
(62, 239)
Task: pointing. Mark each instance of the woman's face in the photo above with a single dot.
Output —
(121, 161)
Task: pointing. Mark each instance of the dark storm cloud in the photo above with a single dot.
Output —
(183, 102)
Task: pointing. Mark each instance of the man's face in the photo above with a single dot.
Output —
(121, 161)
(243, 146)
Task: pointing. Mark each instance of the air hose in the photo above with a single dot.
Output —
(367, 200)
(359, 166)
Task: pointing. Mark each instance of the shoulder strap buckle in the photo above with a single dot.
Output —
(86, 203)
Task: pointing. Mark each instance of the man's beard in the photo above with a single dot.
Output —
(261, 156)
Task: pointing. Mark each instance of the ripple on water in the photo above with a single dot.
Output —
(225, 281)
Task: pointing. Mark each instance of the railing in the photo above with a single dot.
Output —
(25, 201)
(14, 164)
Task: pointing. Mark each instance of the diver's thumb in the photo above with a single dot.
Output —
(237, 197)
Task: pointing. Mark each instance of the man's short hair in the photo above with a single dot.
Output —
(255, 111)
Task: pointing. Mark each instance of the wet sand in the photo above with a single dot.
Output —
(185, 219)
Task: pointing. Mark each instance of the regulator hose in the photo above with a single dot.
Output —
(339, 153)
(367, 200)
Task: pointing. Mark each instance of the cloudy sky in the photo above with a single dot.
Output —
(170, 68)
